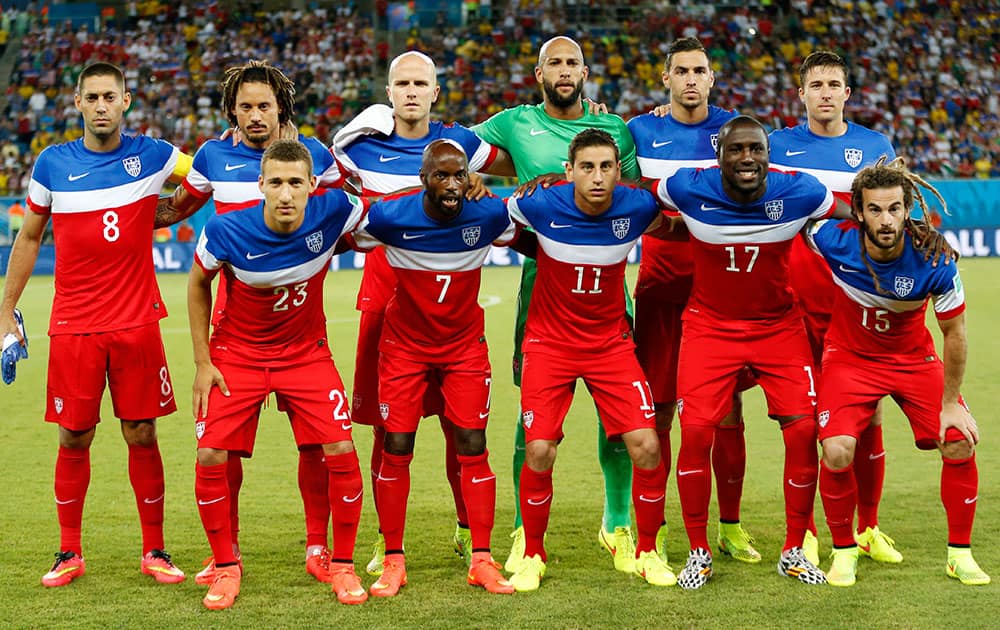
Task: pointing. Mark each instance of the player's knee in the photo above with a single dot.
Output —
(960, 449)
(838, 451)
(139, 432)
(399, 443)
(212, 456)
(470, 441)
(76, 439)
(540, 455)
(338, 448)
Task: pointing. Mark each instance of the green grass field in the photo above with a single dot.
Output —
(581, 588)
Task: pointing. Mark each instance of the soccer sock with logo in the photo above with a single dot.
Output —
(617, 468)
(145, 471)
(479, 486)
(649, 486)
(212, 490)
(314, 488)
(801, 473)
(71, 482)
(869, 469)
(536, 503)
(344, 501)
(729, 461)
(234, 480)
(393, 492)
(518, 464)
(378, 445)
(694, 480)
(453, 469)
(959, 494)
(838, 489)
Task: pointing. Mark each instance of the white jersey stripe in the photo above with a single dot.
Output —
(436, 261)
(666, 168)
(727, 234)
(602, 255)
(72, 202)
(834, 180)
(288, 275)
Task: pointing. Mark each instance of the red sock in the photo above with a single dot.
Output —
(959, 494)
(393, 492)
(536, 503)
(71, 482)
(869, 469)
(694, 482)
(211, 488)
(801, 473)
(729, 461)
(378, 445)
(344, 502)
(838, 488)
(315, 490)
(145, 471)
(234, 480)
(479, 487)
(453, 469)
(649, 488)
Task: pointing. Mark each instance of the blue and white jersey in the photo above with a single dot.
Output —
(663, 145)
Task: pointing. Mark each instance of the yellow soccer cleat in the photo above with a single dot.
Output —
(734, 541)
(964, 568)
(651, 567)
(529, 574)
(516, 555)
(810, 547)
(844, 568)
(621, 546)
(877, 546)
(374, 566)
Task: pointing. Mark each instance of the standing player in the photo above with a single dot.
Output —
(577, 328)
(101, 192)
(742, 314)
(878, 328)
(259, 101)
(383, 149)
(537, 137)
(686, 137)
(433, 338)
(272, 338)
(834, 150)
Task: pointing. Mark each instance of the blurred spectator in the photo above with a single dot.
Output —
(15, 219)
(185, 233)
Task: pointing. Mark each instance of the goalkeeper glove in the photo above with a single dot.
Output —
(13, 351)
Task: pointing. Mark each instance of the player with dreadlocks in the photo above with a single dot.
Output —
(878, 345)
(259, 101)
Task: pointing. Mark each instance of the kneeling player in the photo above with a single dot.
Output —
(878, 345)
(272, 338)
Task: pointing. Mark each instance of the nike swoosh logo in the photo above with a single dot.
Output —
(538, 132)
(793, 153)
(151, 501)
(483, 416)
(848, 270)
(873, 456)
(233, 167)
(200, 502)
(734, 480)
(710, 208)
(346, 426)
(345, 499)
(256, 256)
(410, 237)
(67, 502)
(73, 178)
(682, 473)
(643, 497)
(556, 226)
(164, 403)
(213, 598)
(381, 478)
(800, 485)
(542, 502)
(649, 414)
(382, 158)
(482, 479)
(657, 145)
(972, 500)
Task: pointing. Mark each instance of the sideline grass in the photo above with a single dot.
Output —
(580, 590)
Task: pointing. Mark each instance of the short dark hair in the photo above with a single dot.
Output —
(257, 71)
(821, 59)
(592, 138)
(101, 69)
(684, 44)
(287, 151)
(738, 121)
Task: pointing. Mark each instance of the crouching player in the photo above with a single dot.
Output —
(878, 345)
(272, 338)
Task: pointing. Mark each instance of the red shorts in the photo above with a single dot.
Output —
(616, 382)
(852, 386)
(312, 394)
(714, 361)
(462, 386)
(657, 344)
(132, 363)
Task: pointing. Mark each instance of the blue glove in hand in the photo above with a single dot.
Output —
(13, 351)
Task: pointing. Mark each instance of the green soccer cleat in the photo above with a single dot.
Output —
(463, 544)
(529, 574)
(734, 541)
(651, 567)
(621, 546)
(516, 556)
(964, 568)
(877, 546)
(844, 568)
(375, 565)
(810, 547)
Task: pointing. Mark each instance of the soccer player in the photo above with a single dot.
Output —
(382, 149)
(101, 193)
(577, 328)
(833, 150)
(537, 138)
(259, 101)
(878, 345)
(436, 242)
(272, 338)
(742, 315)
(685, 137)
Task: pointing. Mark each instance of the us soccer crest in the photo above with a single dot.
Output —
(715, 142)
(620, 227)
(471, 235)
(774, 209)
(315, 242)
(133, 165)
(383, 410)
(680, 407)
(902, 286)
(853, 157)
(58, 404)
(823, 417)
(199, 429)
(529, 418)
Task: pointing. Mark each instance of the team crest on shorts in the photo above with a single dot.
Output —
(853, 157)
(620, 227)
(199, 429)
(315, 242)
(715, 142)
(774, 209)
(58, 404)
(133, 165)
(902, 286)
(383, 410)
(528, 418)
(823, 417)
(471, 235)
(680, 407)
(356, 400)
